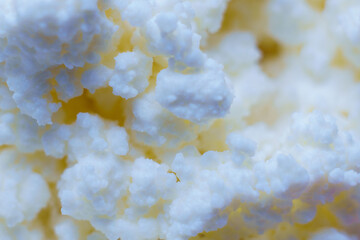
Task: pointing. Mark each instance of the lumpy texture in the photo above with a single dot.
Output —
(179, 119)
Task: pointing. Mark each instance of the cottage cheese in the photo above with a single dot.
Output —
(179, 119)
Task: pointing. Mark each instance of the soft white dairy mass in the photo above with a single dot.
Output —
(179, 119)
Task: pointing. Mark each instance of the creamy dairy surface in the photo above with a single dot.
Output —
(180, 119)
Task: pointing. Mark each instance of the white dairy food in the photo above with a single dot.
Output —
(179, 119)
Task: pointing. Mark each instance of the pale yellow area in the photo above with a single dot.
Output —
(318, 5)
(212, 139)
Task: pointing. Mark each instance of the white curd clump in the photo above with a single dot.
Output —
(179, 119)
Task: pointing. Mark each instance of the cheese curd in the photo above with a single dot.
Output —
(179, 119)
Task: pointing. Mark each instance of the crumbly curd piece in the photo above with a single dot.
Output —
(132, 71)
(169, 33)
(69, 34)
(154, 191)
(23, 194)
(198, 96)
(155, 126)
(104, 138)
(94, 195)
(19, 130)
